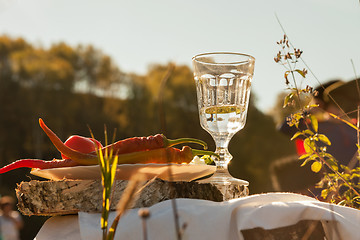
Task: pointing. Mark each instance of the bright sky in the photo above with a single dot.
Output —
(136, 33)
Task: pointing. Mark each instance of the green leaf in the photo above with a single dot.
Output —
(306, 155)
(309, 132)
(324, 193)
(287, 99)
(309, 146)
(355, 175)
(113, 169)
(311, 157)
(324, 139)
(357, 198)
(316, 166)
(305, 162)
(335, 168)
(314, 123)
(327, 155)
(296, 135)
(300, 72)
(333, 163)
(312, 106)
(286, 77)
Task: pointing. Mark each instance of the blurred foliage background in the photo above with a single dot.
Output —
(72, 88)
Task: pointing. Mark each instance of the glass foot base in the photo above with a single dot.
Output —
(224, 178)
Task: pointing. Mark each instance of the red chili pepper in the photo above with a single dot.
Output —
(163, 155)
(71, 153)
(37, 163)
(129, 145)
(137, 144)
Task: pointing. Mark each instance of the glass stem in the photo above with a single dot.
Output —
(222, 150)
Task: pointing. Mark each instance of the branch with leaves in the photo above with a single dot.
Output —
(341, 184)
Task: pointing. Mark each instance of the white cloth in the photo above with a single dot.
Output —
(60, 227)
(225, 220)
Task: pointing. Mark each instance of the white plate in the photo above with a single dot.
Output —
(179, 172)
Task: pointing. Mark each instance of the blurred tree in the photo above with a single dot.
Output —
(37, 82)
(96, 73)
(67, 53)
(46, 81)
(10, 91)
(180, 106)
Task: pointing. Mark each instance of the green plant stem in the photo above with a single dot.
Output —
(173, 142)
(113, 227)
(336, 172)
(295, 84)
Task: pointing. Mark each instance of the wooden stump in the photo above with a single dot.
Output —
(50, 198)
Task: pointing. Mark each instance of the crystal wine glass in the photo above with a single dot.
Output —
(223, 82)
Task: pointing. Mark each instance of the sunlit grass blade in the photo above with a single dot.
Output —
(108, 178)
(105, 202)
(108, 164)
(113, 169)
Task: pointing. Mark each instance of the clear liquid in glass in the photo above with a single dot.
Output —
(223, 119)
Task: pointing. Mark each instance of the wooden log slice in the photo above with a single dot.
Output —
(50, 198)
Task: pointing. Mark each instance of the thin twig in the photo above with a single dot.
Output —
(308, 68)
(127, 198)
(163, 129)
(357, 82)
(344, 121)
(174, 205)
(161, 97)
(144, 213)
